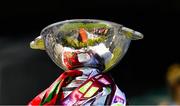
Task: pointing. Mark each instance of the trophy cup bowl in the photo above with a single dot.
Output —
(85, 43)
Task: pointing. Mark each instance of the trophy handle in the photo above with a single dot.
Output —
(38, 43)
(131, 34)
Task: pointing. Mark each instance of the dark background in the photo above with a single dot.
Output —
(24, 72)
